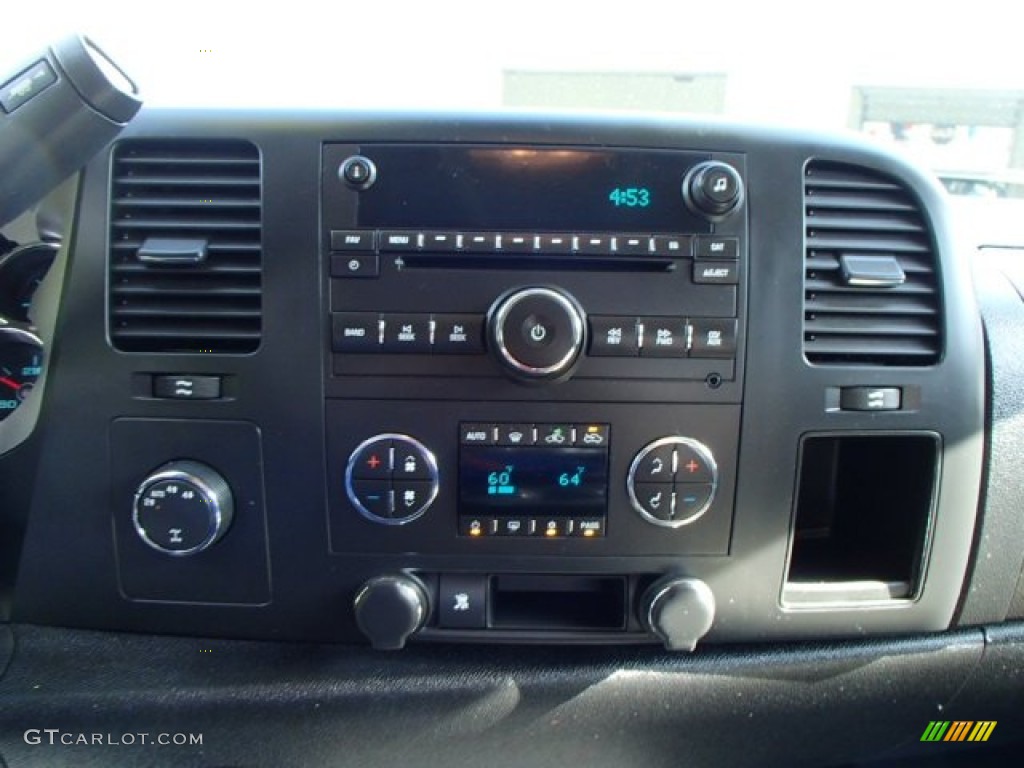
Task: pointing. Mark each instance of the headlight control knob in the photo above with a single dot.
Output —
(538, 333)
(679, 611)
(182, 508)
(389, 609)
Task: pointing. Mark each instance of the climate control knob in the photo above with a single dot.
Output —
(712, 190)
(182, 508)
(672, 481)
(537, 333)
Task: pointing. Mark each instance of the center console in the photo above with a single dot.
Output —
(506, 381)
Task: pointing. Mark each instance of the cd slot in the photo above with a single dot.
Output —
(545, 262)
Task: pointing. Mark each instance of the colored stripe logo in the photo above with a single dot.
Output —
(958, 730)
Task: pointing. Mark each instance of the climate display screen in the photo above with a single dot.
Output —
(529, 188)
(548, 482)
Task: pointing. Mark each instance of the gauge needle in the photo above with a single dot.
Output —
(10, 383)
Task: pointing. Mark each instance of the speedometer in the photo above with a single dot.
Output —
(21, 363)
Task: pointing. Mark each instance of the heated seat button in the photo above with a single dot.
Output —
(614, 337)
(655, 499)
(462, 601)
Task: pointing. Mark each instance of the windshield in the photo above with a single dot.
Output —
(942, 83)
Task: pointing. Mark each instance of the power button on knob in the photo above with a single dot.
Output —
(182, 508)
(538, 333)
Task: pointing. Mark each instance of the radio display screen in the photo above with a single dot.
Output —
(528, 188)
(541, 481)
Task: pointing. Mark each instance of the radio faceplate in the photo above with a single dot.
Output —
(422, 246)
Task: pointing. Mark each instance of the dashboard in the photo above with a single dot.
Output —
(464, 385)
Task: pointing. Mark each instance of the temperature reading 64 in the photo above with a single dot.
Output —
(571, 479)
(630, 197)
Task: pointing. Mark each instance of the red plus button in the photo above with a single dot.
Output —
(373, 461)
(691, 467)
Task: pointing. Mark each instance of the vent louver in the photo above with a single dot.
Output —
(194, 208)
(852, 213)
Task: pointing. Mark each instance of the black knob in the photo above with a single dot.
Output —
(537, 333)
(679, 611)
(389, 609)
(358, 172)
(182, 508)
(712, 190)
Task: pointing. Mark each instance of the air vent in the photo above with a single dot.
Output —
(185, 252)
(871, 292)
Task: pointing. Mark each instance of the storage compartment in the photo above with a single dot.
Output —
(863, 512)
(553, 602)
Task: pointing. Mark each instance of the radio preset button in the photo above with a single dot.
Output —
(355, 332)
(713, 337)
(556, 243)
(439, 241)
(663, 337)
(595, 244)
(517, 242)
(633, 244)
(458, 334)
(480, 242)
(406, 333)
(614, 337)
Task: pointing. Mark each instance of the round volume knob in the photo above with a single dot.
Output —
(183, 508)
(712, 190)
(538, 333)
(679, 611)
(389, 609)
